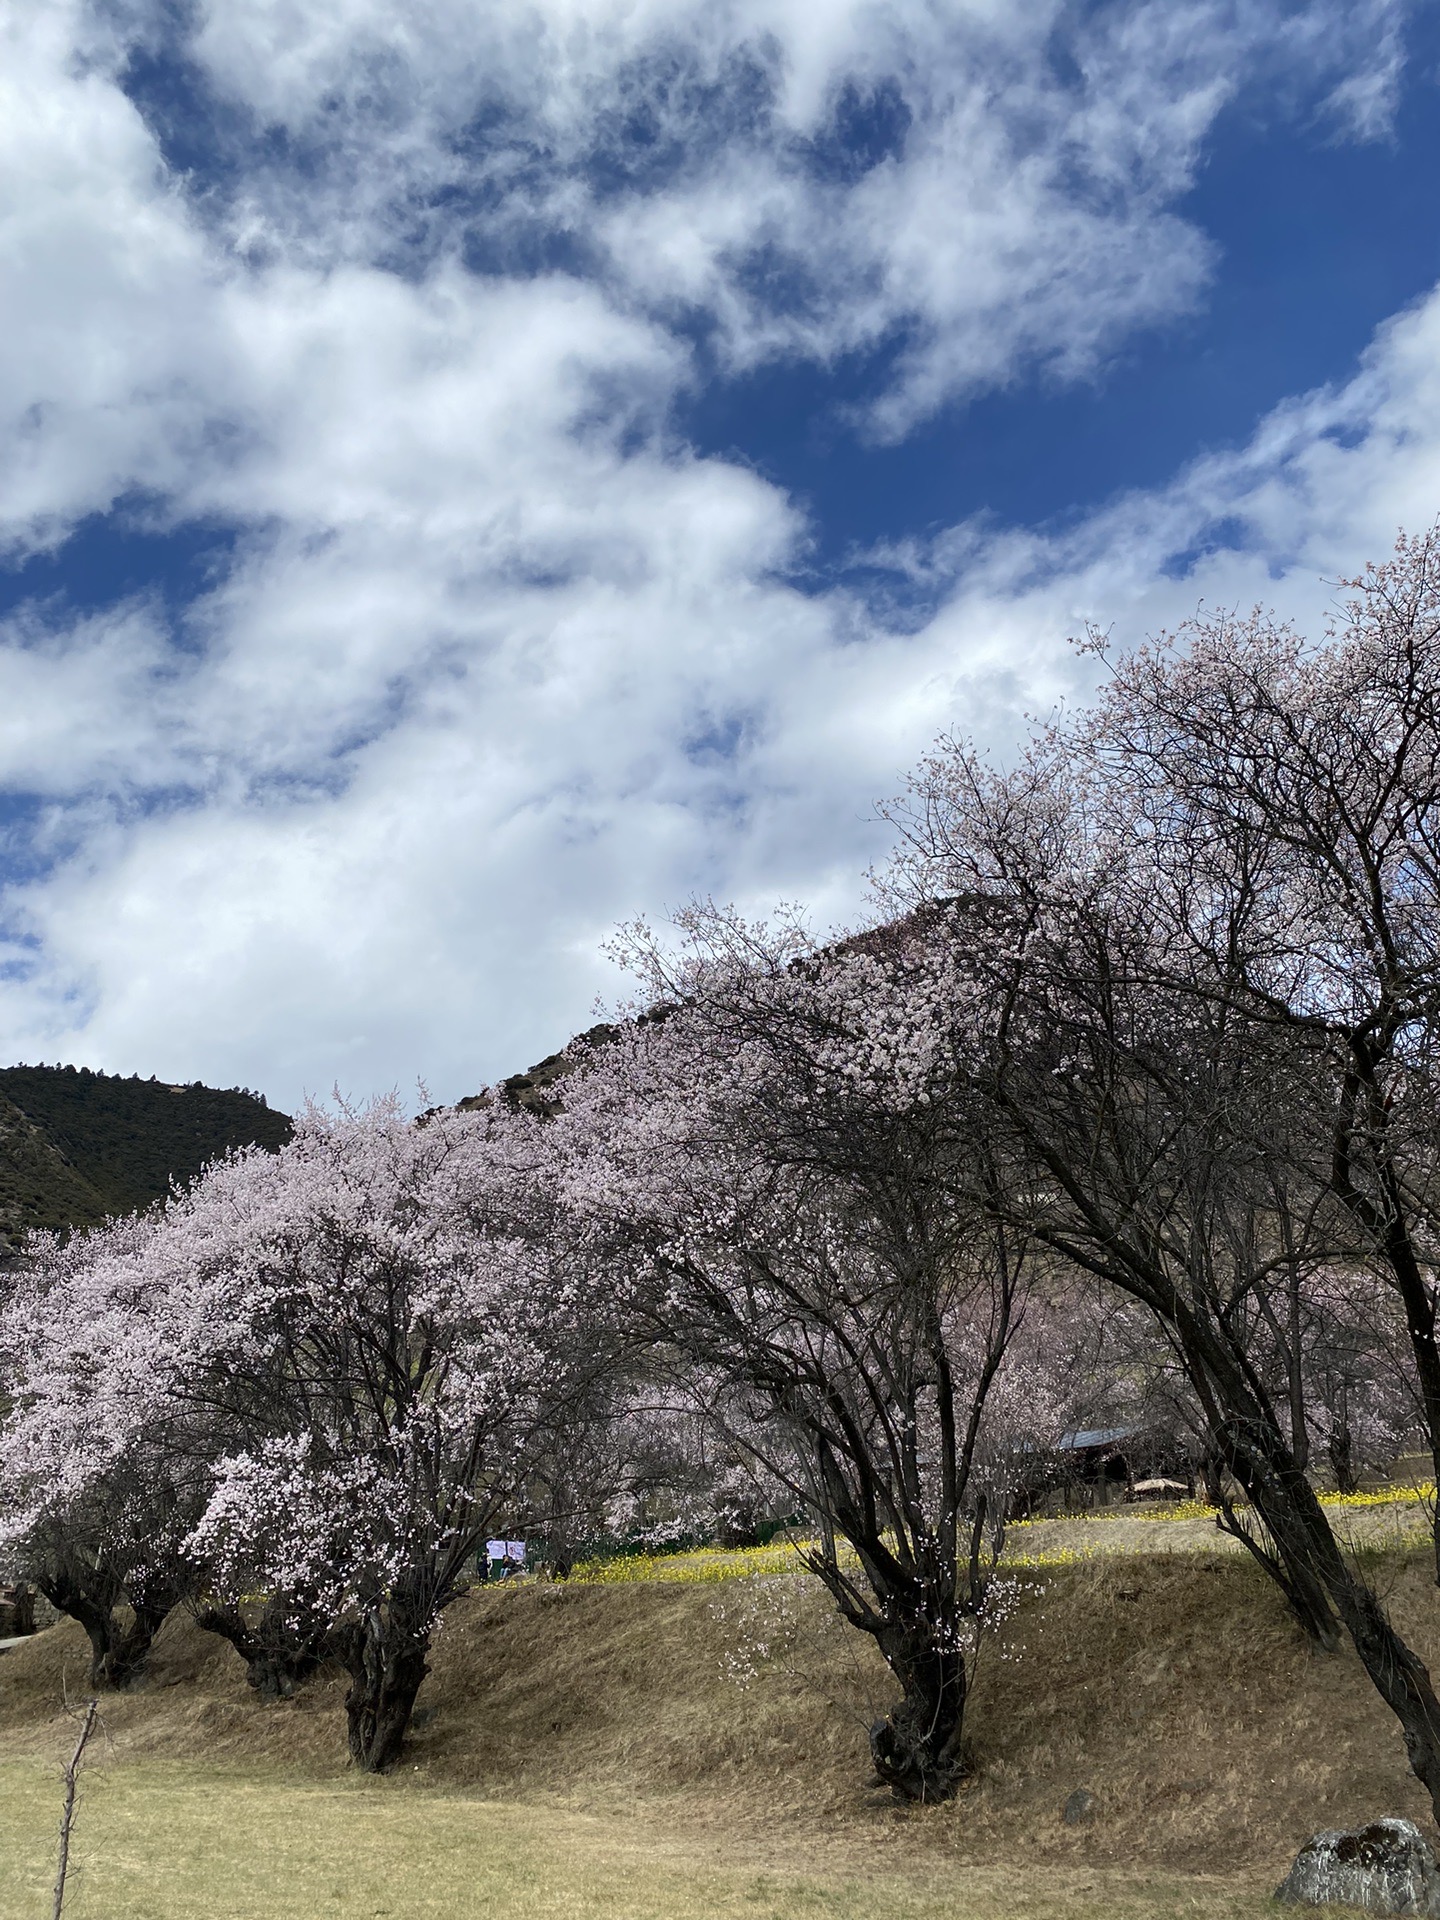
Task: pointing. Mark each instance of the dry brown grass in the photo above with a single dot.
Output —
(159, 1841)
(1172, 1686)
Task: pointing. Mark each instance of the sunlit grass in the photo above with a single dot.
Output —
(165, 1842)
(703, 1564)
(1418, 1495)
(1421, 1495)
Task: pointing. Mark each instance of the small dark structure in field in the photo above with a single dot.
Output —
(1098, 1461)
(1097, 1467)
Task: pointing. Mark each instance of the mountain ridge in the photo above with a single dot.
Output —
(78, 1147)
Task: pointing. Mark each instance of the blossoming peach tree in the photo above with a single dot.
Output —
(1211, 1082)
(1287, 794)
(95, 1505)
(766, 1166)
(362, 1336)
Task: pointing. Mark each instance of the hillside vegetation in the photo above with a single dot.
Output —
(78, 1146)
(712, 1734)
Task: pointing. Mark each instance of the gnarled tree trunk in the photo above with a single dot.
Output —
(279, 1653)
(130, 1647)
(119, 1647)
(917, 1747)
(384, 1654)
(88, 1595)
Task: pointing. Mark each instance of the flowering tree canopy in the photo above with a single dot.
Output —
(357, 1338)
(1209, 1080)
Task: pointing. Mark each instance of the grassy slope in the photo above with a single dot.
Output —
(1172, 1686)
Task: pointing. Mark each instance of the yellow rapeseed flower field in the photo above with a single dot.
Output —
(702, 1564)
(708, 1565)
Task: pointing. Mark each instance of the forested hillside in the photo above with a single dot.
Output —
(76, 1146)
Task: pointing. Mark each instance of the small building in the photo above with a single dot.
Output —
(1100, 1460)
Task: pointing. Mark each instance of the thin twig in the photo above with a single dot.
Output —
(67, 1818)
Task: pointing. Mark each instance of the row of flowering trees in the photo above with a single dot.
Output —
(318, 1376)
(1124, 1107)
(1158, 1008)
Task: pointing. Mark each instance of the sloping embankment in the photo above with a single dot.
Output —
(1172, 1687)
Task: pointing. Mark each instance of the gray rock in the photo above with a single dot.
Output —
(1387, 1867)
(1079, 1809)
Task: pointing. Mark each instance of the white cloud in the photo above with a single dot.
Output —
(498, 662)
(1017, 206)
(591, 748)
(104, 283)
(83, 703)
(1020, 209)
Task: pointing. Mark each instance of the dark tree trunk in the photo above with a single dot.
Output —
(1419, 1304)
(153, 1596)
(98, 1622)
(917, 1747)
(88, 1595)
(1302, 1554)
(1342, 1459)
(1398, 1675)
(279, 1654)
(119, 1648)
(130, 1647)
(384, 1654)
(1396, 1672)
(1253, 1451)
(1311, 1569)
(1383, 1214)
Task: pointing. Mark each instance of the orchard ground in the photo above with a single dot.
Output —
(683, 1737)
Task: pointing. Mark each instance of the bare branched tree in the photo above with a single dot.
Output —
(71, 1778)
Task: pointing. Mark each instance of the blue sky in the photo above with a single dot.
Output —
(473, 476)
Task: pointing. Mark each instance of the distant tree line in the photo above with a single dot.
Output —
(1124, 1110)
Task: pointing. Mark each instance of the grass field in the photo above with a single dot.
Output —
(588, 1749)
(158, 1841)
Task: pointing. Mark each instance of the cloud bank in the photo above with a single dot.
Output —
(403, 303)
